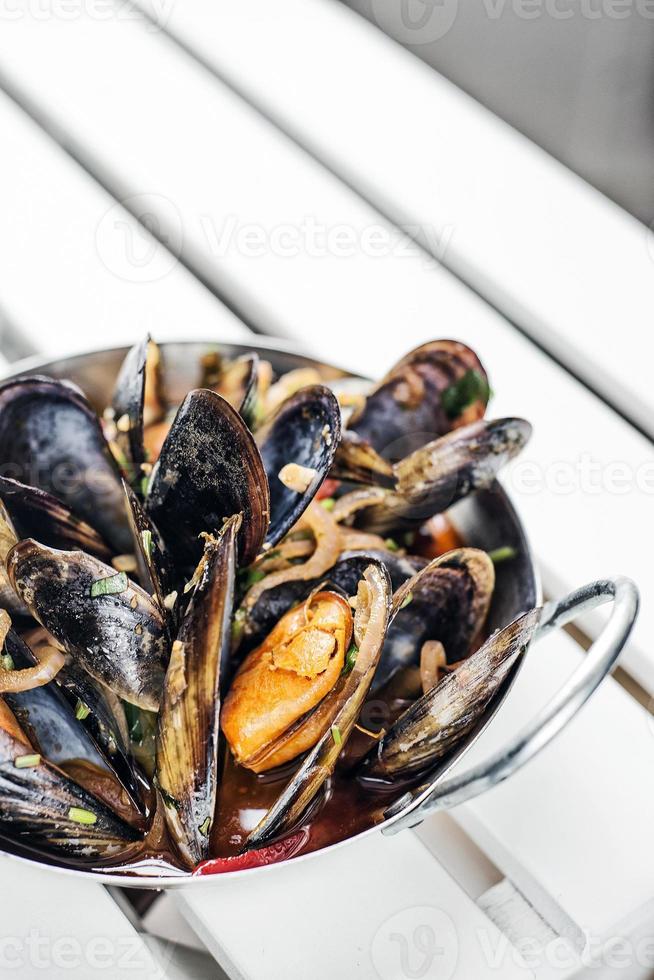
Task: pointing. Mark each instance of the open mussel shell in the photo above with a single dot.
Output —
(304, 431)
(138, 401)
(113, 628)
(188, 728)
(429, 392)
(343, 578)
(152, 560)
(45, 810)
(37, 514)
(208, 470)
(447, 601)
(436, 476)
(341, 709)
(50, 438)
(439, 722)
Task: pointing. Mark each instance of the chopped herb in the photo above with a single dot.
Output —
(328, 503)
(112, 585)
(336, 735)
(146, 538)
(143, 484)
(27, 761)
(470, 388)
(350, 659)
(410, 538)
(82, 711)
(7, 662)
(392, 544)
(250, 577)
(204, 828)
(406, 602)
(502, 554)
(78, 815)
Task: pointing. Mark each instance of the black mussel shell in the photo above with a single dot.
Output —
(45, 810)
(345, 703)
(423, 397)
(208, 470)
(188, 728)
(140, 370)
(152, 561)
(107, 623)
(438, 475)
(51, 438)
(305, 430)
(438, 723)
(448, 601)
(37, 514)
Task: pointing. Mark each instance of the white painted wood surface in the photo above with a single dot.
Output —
(59, 927)
(377, 909)
(78, 270)
(557, 257)
(235, 184)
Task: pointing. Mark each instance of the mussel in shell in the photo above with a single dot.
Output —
(221, 587)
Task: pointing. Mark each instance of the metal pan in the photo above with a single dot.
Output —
(486, 520)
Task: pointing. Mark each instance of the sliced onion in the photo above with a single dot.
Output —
(50, 662)
(362, 541)
(432, 662)
(327, 550)
(346, 506)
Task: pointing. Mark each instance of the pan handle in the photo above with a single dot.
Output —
(553, 718)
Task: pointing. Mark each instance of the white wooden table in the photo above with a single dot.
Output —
(206, 169)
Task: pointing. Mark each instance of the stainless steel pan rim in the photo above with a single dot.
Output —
(440, 793)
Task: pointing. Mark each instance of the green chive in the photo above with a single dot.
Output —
(502, 554)
(470, 388)
(7, 662)
(146, 538)
(204, 828)
(350, 659)
(27, 761)
(406, 602)
(392, 544)
(410, 538)
(328, 503)
(112, 585)
(250, 576)
(336, 735)
(144, 485)
(82, 711)
(78, 815)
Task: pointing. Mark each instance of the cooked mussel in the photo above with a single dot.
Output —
(436, 476)
(441, 719)
(138, 402)
(107, 623)
(429, 392)
(332, 720)
(45, 810)
(208, 470)
(297, 445)
(50, 438)
(188, 727)
(37, 514)
(446, 602)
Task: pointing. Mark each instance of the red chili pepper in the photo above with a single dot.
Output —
(273, 854)
(328, 489)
